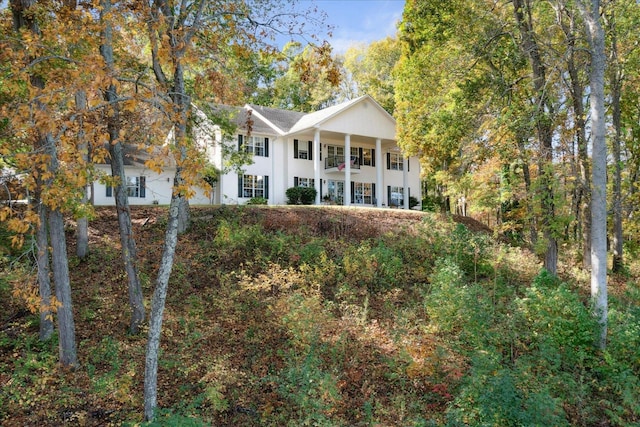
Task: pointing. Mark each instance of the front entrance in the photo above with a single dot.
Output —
(335, 191)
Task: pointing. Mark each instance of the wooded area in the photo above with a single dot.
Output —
(491, 95)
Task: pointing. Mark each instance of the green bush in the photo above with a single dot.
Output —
(236, 244)
(496, 395)
(301, 195)
(257, 201)
(413, 202)
(458, 308)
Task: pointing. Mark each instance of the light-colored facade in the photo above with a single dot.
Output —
(348, 152)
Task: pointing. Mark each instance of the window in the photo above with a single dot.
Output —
(395, 161)
(303, 182)
(335, 151)
(135, 185)
(303, 150)
(253, 186)
(335, 191)
(396, 195)
(257, 145)
(363, 193)
(368, 157)
(336, 157)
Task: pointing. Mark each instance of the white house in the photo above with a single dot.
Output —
(348, 152)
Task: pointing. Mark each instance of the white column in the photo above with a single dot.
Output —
(272, 180)
(379, 169)
(316, 164)
(347, 170)
(405, 182)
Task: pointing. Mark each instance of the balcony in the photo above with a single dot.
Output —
(337, 164)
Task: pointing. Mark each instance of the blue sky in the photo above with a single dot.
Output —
(359, 21)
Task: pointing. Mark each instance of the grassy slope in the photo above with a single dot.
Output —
(310, 316)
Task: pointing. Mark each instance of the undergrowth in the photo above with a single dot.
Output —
(428, 324)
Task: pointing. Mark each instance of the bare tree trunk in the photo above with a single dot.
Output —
(66, 325)
(184, 216)
(44, 282)
(157, 308)
(526, 176)
(127, 240)
(544, 130)
(599, 175)
(577, 98)
(616, 119)
(178, 204)
(82, 224)
(181, 105)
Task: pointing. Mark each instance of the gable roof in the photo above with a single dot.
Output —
(282, 120)
(268, 120)
(312, 119)
(240, 117)
(315, 119)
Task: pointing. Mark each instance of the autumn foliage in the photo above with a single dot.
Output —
(303, 315)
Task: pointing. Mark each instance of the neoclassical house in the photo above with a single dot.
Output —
(348, 152)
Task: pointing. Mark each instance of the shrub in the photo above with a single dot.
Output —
(413, 202)
(301, 195)
(257, 201)
(372, 267)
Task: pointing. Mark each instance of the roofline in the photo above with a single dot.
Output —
(340, 111)
(264, 119)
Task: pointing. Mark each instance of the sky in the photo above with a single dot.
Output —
(359, 21)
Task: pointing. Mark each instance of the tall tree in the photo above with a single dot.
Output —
(116, 151)
(25, 17)
(371, 69)
(543, 120)
(308, 78)
(572, 30)
(591, 15)
(177, 27)
(175, 30)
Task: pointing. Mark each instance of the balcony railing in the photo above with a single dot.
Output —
(339, 162)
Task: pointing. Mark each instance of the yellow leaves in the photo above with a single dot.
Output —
(29, 294)
(130, 105)
(17, 225)
(156, 164)
(17, 241)
(5, 212)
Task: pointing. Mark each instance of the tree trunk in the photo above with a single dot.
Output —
(616, 119)
(127, 240)
(82, 223)
(526, 176)
(599, 174)
(157, 308)
(181, 103)
(583, 195)
(178, 204)
(184, 216)
(44, 282)
(544, 131)
(66, 325)
(23, 17)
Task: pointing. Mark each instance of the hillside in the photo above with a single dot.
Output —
(317, 316)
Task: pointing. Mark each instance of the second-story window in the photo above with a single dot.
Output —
(302, 149)
(395, 161)
(368, 157)
(257, 145)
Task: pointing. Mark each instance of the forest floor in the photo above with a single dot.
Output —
(209, 332)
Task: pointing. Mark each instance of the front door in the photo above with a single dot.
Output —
(335, 190)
